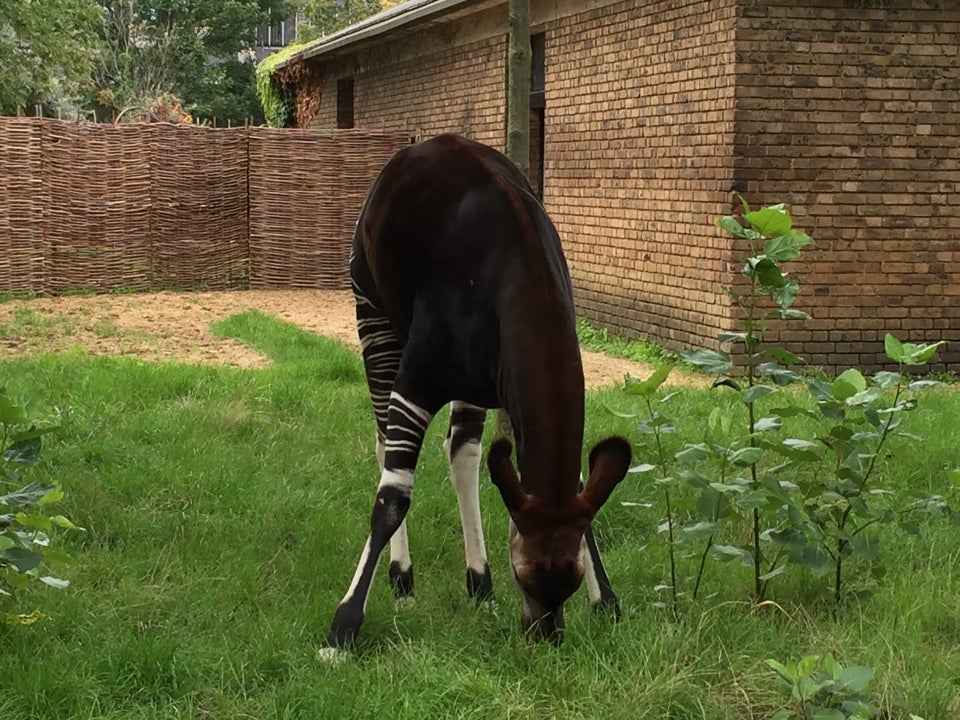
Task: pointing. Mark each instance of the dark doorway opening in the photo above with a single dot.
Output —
(345, 103)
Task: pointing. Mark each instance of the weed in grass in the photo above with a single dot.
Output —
(105, 328)
(638, 350)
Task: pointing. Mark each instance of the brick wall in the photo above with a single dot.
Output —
(639, 140)
(850, 112)
(657, 110)
(428, 84)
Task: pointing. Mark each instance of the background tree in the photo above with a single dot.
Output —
(196, 50)
(46, 52)
(324, 17)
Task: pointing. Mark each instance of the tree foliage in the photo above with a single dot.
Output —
(46, 52)
(192, 49)
(324, 17)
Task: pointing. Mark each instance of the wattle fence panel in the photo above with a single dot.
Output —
(102, 207)
(23, 246)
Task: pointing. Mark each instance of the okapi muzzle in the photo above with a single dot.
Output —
(547, 535)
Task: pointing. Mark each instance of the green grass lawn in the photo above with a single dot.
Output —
(225, 510)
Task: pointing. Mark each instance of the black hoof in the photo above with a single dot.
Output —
(610, 604)
(480, 584)
(401, 581)
(345, 626)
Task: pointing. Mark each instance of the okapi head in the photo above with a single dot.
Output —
(547, 533)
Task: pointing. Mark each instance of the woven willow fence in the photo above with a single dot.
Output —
(100, 207)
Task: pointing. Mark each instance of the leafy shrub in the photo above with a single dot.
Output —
(25, 522)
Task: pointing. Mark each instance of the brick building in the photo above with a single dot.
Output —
(648, 115)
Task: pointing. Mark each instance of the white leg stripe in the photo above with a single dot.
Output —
(400, 547)
(590, 574)
(402, 479)
(404, 404)
(464, 474)
(364, 559)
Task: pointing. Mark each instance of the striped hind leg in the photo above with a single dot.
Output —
(599, 591)
(406, 425)
(401, 426)
(463, 450)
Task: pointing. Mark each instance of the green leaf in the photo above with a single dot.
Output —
(730, 224)
(831, 666)
(692, 454)
(725, 382)
(23, 452)
(886, 379)
(777, 373)
(745, 457)
(701, 530)
(773, 573)
(22, 559)
(786, 246)
(766, 424)
(773, 220)
(807, 665)
(919, 354)
(57, 557)
(864, 397)
(11, 414)
(793, 315)
(784, 296)
(643, 468)
(866, 547)
(829, 714)
(893, 348)
(708, 360)
(788, 673)
(40, 522)
(752, 394)
(766, 271)
(61, 521)
(725, 337)
(848, 384)
(856, 679)
(726, 553)
(55, 582)
(918, 385)
(650, 385)
(34, 492)
(784, 356)
(54, 496)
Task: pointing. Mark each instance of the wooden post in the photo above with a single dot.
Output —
(518, 85)
(518, 116)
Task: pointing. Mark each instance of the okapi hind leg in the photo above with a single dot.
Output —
(400, 571)
(406, 426)
(599, 591)
(463, 449)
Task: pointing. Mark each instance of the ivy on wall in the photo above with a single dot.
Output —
(278, 98)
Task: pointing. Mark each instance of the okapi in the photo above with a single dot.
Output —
(463, 295)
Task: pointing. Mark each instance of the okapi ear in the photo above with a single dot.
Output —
(609, 462)
(504, 476)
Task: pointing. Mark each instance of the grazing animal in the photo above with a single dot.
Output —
(463, 296)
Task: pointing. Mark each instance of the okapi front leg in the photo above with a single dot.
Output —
(463, 451)
(406, 426)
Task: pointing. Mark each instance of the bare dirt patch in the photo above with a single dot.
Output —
(176, 326)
